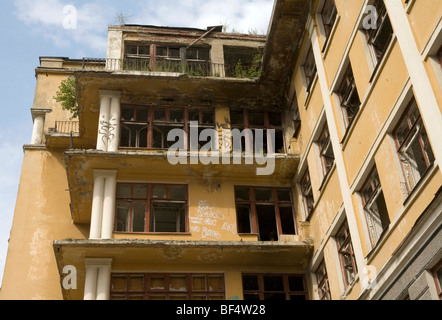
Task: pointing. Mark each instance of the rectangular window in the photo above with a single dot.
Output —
(267, 212)
(326, 151)
(274, 287)
(148, 127)
(349, 97)
(167, 286)
(307, 194)
(375, 208)
(413, 145)
(323, 285)
(309, 68)
(380, 37)
(328, 15)
(254, 120)
(143, 208)
(346, 254)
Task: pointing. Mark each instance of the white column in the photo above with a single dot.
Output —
(339, 158)
(104, 282)
(423, 91)
(90, 285)
(114, 121)
(109, 205)
(103, 123)
(98, 279)
(37, 131)
(97, 206)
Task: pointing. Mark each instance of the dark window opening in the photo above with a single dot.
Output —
(328, 14)
(323, 284)
(326, 151)
(267, 212)
(274, 287)
(349, 97)
(307, 194)
(346, 254)
(309, 69)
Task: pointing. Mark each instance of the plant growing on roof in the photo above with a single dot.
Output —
(66, 94)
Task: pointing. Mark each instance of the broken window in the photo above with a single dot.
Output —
(254, 120)
(137, 57)
(328, 15)
(145, 208)
(374, 207)
(380, 37)
(349, 97)
(413, 146)
(274, 287)
(309, 68)
(149, 127)
(346, 254)
(167, 286)
(307, 194)
(326, 151)
(323, 284)
(267, 212)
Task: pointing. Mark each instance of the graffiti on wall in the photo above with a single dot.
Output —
(208, 222)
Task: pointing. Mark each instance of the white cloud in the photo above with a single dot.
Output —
(47, 19)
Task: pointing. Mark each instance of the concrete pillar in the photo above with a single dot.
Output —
(38, 118)
(103, 123)
(109, 205)
(97, 206)
(114, 120)
(104, 282)
(422, 88)
(98, 279)
(37, 131)
(90, 285)
(109, 121)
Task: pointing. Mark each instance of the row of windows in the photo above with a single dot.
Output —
(143, 208)
(146, 127)
(200, 286)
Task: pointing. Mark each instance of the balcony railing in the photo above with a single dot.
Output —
(191, 68)
(67, 127)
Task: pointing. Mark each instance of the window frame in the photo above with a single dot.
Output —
(277, 205)
(309, 69)
(373, 182)
(323, 282)
(346, 91)
(149, 292)
(328, 21)
(152, 122)
(261, 292)
(307, 194)
(265, 126)
(373, 34)
(341, 247)
(150, 200)
(408, 140)
(325, 145)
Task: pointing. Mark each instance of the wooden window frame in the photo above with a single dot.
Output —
(152, 122)
(307, 194)
(309, 69)
(347, 92)
(325, 145)
(346, 248)
(261, 292)
(372, 35)
(323, 283)
(277, 204)
(149, 292)
(416, 130)
(266, 126)
(328, 17)
(370, 192)
(149, 200)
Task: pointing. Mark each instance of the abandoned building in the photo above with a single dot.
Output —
(346, 98)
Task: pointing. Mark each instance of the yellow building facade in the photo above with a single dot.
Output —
(308, 165)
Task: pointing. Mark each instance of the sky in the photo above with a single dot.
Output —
(77, 29)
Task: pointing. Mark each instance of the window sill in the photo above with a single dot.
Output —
(419, 185)
(326, 179)
(309, 93)
(328, 40)
(350, 287)
(381, 63)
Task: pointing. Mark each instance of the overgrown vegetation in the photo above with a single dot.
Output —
(67, 96)
(253, 71)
